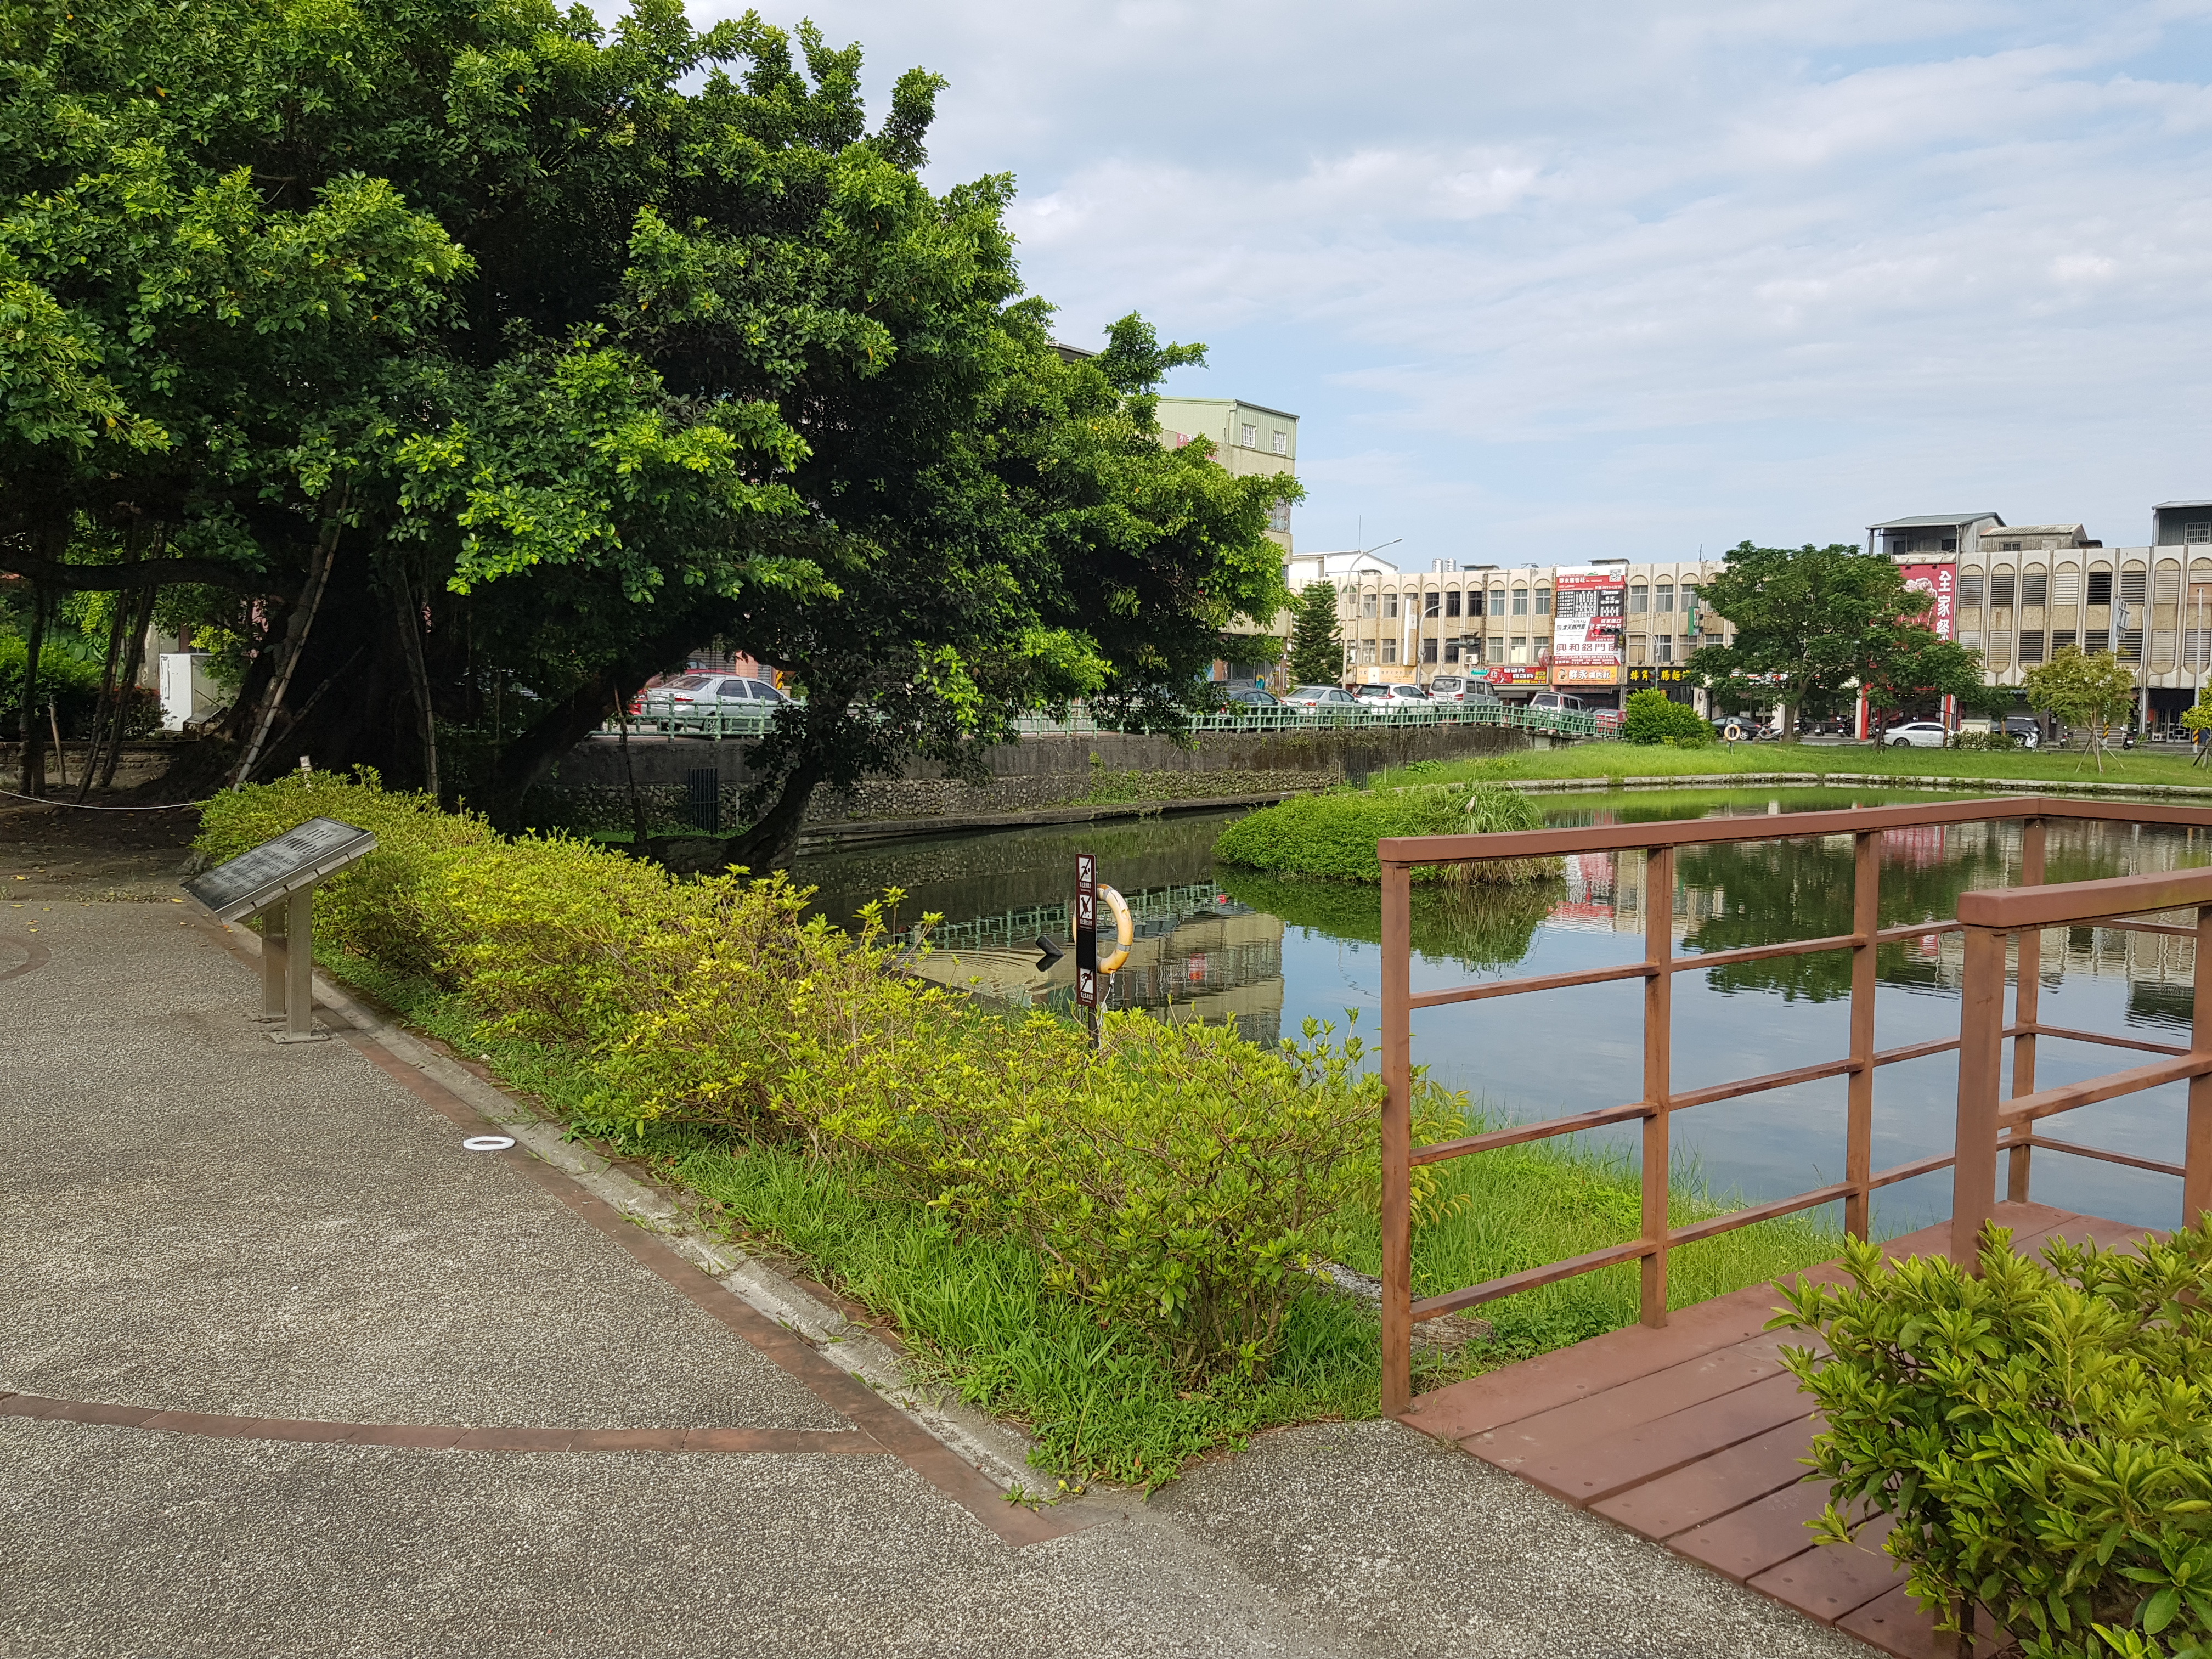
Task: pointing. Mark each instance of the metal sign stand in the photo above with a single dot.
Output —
(1086, 940)
(277, 882)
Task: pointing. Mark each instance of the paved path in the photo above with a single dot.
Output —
(292, 1373)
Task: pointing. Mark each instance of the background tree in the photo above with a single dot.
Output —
(2197, 719)
(1913, 663)
(2081, 690)
(1316, 645)
(463, 364)
(1807, 623)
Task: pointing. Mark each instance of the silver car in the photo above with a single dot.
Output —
(1917, 735)
(1321, 696)
(702, 697)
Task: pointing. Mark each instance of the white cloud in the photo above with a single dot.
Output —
(1765, 267)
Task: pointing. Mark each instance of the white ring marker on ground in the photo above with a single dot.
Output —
(488, 1143)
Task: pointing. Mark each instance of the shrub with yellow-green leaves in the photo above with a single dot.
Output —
(1177, 1180)
(2041, 1436)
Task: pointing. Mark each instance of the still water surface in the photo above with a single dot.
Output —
(1216, 943)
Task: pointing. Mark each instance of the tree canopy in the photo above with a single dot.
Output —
(1814, 624)
(467, 363)
(2092, 691)
(1316, 645)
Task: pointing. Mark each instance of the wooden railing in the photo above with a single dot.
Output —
(1986, 918)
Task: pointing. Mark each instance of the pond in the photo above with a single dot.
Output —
(1214, 942)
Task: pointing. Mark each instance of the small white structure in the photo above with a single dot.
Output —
(187, 693)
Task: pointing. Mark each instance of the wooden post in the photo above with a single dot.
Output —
(1658, 1074)
(1397, 1142)
(1858, 1112)
(1981, 1058)
(2196, 1160)
(2028, 977)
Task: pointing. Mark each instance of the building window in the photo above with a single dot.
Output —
(1433, 602)
(2131, 645)
(1639, 599)
(1475, 601)
(2062, 639)
(1451, 602)
(2008, 547)
(1367, 605)
(1250, 435)
(2034, 587)
(1279, 517)
(1970, 590)
(2066, 587)
(2167, 589)
(1390, 605)
(2100, 588)
(2000, 589)
(1950, 544)
(2132, 585)
(1351, 653)
(2000, 647)
(1282, 443)
(1662, 597)
(1520, 601)
(1637, 646)
(2094, 639)
(2031, 645)
(1367, 653)
(2192, 534)
(1389, 650)
(2194, 644)
(1428, 650)
(1496, 601)
(1451, 651)
(1971, 638)
(1543, 601)
(1662, 648)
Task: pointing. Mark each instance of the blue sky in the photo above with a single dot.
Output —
(1592, 278)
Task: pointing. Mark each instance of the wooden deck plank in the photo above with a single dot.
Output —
(1715, 1485)
(1831, 1580)
(1656, 1395)
(1894, 1623)
(1746, 1542)
(1595, 1469)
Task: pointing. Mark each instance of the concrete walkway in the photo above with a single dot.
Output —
(290, 1373)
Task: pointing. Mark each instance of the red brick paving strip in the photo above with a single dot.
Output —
(437, 1436)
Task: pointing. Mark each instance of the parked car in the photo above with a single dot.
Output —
(1917, 735)
(2025, 729)
(1320, 696)
(1464, 690)
(1372, 695)
(1748, 729)
(1560, 700)
(1249, 697)
(700, 696)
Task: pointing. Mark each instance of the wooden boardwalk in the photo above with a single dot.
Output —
(1691, 1435)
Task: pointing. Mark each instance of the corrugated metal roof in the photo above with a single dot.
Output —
(1930, 520)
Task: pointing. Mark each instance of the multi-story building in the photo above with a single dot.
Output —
(1250, 440)
(1599, 629)
(2018, 593)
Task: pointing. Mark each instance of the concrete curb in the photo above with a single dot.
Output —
(997, 1450)
(1860, 780)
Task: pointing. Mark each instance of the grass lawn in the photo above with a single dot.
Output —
(976, 1316)
(1618, 760)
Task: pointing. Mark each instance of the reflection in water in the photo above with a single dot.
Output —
(1218, 943)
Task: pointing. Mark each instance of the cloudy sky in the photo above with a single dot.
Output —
(1589, 277)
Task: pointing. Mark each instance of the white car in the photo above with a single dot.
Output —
(1917, 735)
(1321, 696)
(1377, 696)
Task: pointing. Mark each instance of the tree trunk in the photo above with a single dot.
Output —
(295, 644)
(33, 734)
(637, 828)
(767, 845)
(1788, 722)
(134, 659)
(109, 691)
(408, 618)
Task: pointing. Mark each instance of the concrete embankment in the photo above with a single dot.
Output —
(1101, 774)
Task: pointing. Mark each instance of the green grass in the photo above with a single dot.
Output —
(1619, 760)
(975, 1315)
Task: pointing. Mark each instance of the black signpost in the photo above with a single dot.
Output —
(276, 881)
(1087, 939)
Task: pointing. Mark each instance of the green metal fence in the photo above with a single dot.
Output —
(1558, 722)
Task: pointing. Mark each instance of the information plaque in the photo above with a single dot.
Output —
(254, 881)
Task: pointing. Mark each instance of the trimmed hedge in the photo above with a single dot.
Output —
(1334, 836)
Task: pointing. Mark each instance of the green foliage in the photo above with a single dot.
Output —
(1988, 741)
(1316, 645)
(1653, 717)
(2092, 691)
(1811, 621)
(2198, 717)
(1175, 1181)
(2040, 1434)
(1334, 836)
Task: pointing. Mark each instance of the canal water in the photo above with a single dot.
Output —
(1217, 942)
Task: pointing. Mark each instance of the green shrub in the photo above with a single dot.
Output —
(1652, 717)
(1334, 835)
(2040, 1434)
(1981, 740)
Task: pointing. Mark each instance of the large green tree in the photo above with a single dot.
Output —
(1316, 645)
(469, 360)
(1813, 623)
